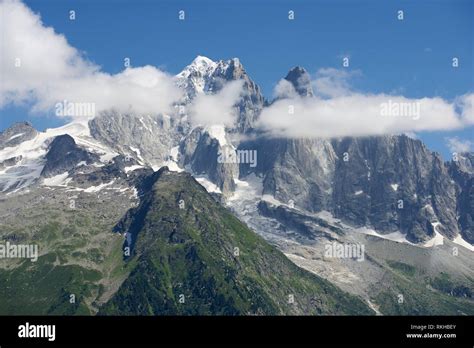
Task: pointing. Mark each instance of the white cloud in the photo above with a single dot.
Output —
(52, 71)
(330, 82)
(412, 135)
(284, 89)
(465, 104)
(211, 109)
(358, 115)
(337, 110)
(458, 145)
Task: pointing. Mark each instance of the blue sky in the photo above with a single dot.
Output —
(410, 57)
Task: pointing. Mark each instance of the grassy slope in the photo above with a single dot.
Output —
(79, 255)
(423, 295)
(191, 252)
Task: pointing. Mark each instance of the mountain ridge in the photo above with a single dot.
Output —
(158, 140)
(211, 261)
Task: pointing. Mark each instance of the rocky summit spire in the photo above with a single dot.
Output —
(301, 81)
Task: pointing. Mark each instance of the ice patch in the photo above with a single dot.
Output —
(394, 236)
(174, 153)
(244, 203)
(15, 136)
(462, 242)
(208, 185)
(138, 152)
(173, 166)
(374, 307)
(326, 215)
(250, 189)
(57, 180)
(20, 176)
(394, 187)
(134, 192)
(132, 168)
(270, 199)
(98, 187)
(106, 157)
(144, 125)
(217, 132)
(172, 162)
(92, 189)
(438, 239)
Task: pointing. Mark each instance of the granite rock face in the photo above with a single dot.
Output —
(63, 155)
(301, 81)
(297, 170)
(462, 171)
(200, 153)
(147, 138)
(394, 183)
(251, 101)
(388, 183)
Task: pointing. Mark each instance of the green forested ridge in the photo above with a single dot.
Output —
(203, 260)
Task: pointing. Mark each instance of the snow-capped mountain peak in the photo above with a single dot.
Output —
(195, 77)
(204, 75)
(22, 162)
(199, 66)
(204, 62)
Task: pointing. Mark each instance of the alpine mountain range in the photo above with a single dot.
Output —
(135, 214)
